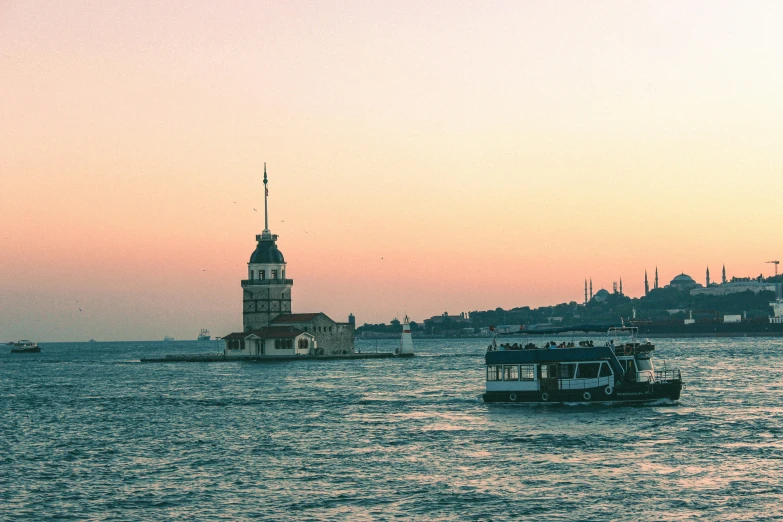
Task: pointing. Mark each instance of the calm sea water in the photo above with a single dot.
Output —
(87, 432)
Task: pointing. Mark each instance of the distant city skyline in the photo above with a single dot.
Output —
(422, 158)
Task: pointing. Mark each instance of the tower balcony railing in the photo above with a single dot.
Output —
(266, 282)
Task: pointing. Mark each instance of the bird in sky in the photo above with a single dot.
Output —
(255, 210)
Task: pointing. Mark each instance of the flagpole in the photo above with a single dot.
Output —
(266, 196)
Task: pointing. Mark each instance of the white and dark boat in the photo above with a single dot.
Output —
(204, 335)
(618, 370)
(25, 346)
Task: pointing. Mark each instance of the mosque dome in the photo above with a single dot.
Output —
(267, 252)
(601, 295)
(684, 282)
(682, 278)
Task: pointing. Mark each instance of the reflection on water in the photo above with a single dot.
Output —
(87, 432)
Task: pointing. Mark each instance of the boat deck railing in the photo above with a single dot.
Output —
(667, 375)
(580, 384)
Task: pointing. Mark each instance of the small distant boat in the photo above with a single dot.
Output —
(167, 338)
(92, 340)
(203, 335)
(25, 346)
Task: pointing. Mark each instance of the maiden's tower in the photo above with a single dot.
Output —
(269, 326)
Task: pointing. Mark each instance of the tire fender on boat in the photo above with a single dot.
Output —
(608, 390)
(587, 396)
(513, 396)
(545, 396)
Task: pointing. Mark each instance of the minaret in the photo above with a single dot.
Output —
(723, 279)
(621, 286)
(591, 288)
(656, 278)
(585, 291)
(266, 293)
(646, 284)
(708, 276)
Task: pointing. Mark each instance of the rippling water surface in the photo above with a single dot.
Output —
(87, 432)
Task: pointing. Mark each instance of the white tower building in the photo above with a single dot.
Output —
(266, 293)
(406, 343)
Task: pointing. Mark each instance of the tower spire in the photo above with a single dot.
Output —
(646, 284)
(266, 208)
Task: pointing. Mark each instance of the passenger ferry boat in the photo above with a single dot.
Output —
(25, 346)
(619, 370)
(204, 335)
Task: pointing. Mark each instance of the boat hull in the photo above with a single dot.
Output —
(624, 393)
(32, 349)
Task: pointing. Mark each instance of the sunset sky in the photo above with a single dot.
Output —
(423, 157)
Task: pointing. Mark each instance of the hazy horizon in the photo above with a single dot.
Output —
(422, 158)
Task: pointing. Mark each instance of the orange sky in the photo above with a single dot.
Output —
(493, 154)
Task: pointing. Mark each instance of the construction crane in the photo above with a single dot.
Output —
(776, 263)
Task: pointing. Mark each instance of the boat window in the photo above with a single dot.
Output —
(544, 371)
(630, 367)
(566, 371)
(587, 370)
(644, 364)
(527, 372)
(511, 373)
(494, 373)
(605, 370)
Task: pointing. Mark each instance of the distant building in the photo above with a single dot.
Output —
(735, 286)
(458, 321)
(508, 328)
(601, 296)
(683, 282)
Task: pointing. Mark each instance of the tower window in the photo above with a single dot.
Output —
(262, 274)
(274, 274)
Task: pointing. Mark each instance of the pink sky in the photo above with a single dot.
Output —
(492, 153)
